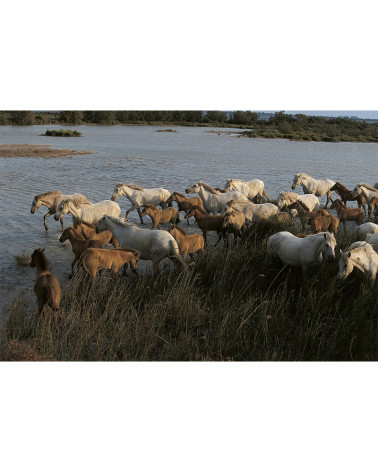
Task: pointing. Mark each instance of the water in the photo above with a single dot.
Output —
(151, 159)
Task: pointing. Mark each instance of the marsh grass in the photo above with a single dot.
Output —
(234, 304)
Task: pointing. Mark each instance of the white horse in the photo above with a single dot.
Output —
(140, 196)
(367, 191)
(250, 189)
(51, 200)
(153, 245)
(213, 200)
(372, 239)
(302, 252)
(251, 211)
(87, 212)
(360, 256)
(315, 187)
(287, 198)
(365, 230)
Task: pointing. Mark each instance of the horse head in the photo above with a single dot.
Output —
(117, 192)
(194, 189)
(35, 204)
(356, 191)
(345, 265)
(296, 181)
(328, 246)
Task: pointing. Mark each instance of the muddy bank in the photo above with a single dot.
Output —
(35, 150)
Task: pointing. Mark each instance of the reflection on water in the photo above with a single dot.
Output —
(145, 157)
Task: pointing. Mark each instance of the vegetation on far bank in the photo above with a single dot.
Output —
(62, 133)
(280, 125)
(235, 304)
(36, 150)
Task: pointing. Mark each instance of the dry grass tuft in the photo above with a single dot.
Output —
(23, 259)
(15, 351)
(36, 150)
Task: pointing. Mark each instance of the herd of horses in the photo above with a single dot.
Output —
(225, 211)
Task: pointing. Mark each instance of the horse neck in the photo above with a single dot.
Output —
(41, 263)
(73, 210)
(50, 201)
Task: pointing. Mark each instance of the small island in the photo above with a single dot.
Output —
(62, 133)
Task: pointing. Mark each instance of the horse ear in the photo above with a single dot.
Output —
(349, 254)
(325, 236)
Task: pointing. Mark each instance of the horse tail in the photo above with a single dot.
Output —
(265, 194)
(175, 255)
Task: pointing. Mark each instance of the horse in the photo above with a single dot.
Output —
(78, 244)
(302, 252)
(345, 195)
(287, 198)
(46, 285)
(250, 189)
(153, 245)
(187, 243)
(52, 200)
(140, 196)
(207, 222)
(234, 222)
(168, 215)
(365, 230)
(184, 203)
(347, 214)
(305, 216)
(109, 259)
(324, 223)
(214, 201)
(88, 212)
(88, 231)
(368, 192)
(361, 257)
(372, 239)
(252, 211)
(315, 187)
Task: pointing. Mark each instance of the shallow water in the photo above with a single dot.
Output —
(141, 155)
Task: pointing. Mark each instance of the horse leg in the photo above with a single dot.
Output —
(140, 216)
(204, 237)
(163, 205)
(44, 220)
(73, 264)
(155, 265)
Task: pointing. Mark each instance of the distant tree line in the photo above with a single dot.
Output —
(279, 125)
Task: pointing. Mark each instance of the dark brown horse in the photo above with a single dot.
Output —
(46, 285)
(346, 197)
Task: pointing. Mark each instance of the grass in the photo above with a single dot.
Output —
(36, 150)
(235, 304)
(23, 259)
(307, 136)
(65, 133)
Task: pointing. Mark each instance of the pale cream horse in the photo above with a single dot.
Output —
(51, 200)
(315, 187)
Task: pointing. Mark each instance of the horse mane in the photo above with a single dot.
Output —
(149, 205)
(208, 188)
(181, 230)
(339, 202)
(179, 194)
(341, 185)
(55, 192)
(78, 202)
(201, 210)
(302, 174)
(369, 187)
(44, 262)
(134, 187)
(84, 223)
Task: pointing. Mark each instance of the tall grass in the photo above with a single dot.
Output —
(235, 304)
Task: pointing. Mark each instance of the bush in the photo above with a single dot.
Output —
(62, 133)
